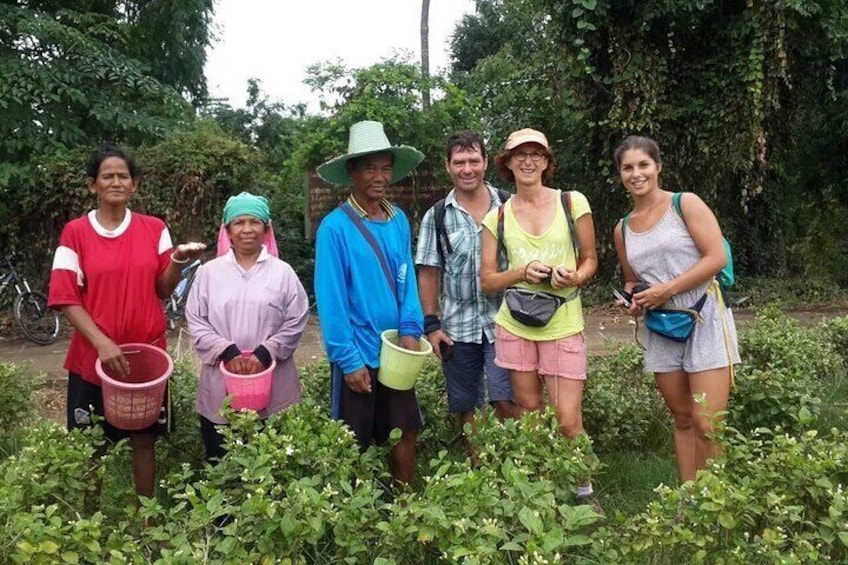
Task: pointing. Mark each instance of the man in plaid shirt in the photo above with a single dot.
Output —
(463, 338)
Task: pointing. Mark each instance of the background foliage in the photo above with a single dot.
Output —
(748, 99)
(739, 94)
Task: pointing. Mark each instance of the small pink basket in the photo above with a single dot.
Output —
(134, 402)
(249, 392)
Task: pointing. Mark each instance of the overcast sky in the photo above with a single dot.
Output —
(275, 40)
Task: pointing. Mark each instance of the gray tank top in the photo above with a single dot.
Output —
(664, 252)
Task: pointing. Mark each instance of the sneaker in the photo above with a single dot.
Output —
(590, 500)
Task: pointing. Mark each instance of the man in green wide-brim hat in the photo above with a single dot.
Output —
(365, 284)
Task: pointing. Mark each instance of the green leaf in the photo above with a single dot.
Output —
(727, 520)
(49, 547)
(530, 520)
(511, 546)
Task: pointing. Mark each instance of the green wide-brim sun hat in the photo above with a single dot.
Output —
(365, 138)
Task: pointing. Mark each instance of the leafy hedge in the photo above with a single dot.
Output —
(295, 488)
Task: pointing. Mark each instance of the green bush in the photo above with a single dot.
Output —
(803, 292)
(776, 342)
(315, 383)
(16, 389)
(441, 429)
(774, 398)
(519, 501)
(772, 498)
(282, 489)
(787, 373)
(43, 495)
(621, 402)
(183, 445)
(835, 332)
(297, 486)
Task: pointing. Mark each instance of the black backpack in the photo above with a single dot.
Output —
(442, 241)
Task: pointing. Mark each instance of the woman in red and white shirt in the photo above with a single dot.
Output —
(111, 270)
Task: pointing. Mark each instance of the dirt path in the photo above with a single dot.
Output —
(603, 327)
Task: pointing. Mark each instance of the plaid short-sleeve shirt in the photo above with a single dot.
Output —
(467, 313)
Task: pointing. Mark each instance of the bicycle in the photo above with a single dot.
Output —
(175, 304)
(39, 323)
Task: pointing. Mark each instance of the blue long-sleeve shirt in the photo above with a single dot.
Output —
(355, 303)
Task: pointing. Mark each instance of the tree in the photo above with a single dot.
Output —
(72, 78)
(172, 36)
(270, 126)
(389, 92)
(728, 88)
(425, 53)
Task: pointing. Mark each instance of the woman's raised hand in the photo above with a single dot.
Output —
(186, 252)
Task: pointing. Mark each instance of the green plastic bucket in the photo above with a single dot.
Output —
(399, 367)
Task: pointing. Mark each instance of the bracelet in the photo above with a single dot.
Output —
(177, 261)
(431, 323)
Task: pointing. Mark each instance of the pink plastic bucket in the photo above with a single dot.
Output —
(134, 402)
(249, 392)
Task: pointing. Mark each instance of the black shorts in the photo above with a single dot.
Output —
(85, 399)
(373, 415)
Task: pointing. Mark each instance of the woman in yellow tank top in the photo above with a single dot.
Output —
(541, 257)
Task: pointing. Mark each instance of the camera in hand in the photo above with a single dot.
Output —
(627, 297)
(624, 296)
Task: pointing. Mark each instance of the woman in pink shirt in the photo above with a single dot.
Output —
(245, 300)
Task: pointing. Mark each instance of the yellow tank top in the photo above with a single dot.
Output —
(552, 248)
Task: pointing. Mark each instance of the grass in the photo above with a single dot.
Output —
(627, 482)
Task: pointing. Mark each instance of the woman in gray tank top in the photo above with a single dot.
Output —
(678, 261)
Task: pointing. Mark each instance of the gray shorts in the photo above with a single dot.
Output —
(464, 372)
(712, 344)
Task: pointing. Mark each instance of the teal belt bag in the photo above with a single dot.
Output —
(676, 324)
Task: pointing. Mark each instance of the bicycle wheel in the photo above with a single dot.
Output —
(38, 322)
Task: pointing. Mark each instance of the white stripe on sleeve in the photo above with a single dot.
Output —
(165, 242)
(67, 259)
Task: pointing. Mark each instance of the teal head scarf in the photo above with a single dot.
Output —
(246, 204)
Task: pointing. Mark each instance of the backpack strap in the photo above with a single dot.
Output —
(675, 201)
(624, 221)
(369, 237)
(443, 244)
(501, 245)
(439, 220)
(565, 198)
